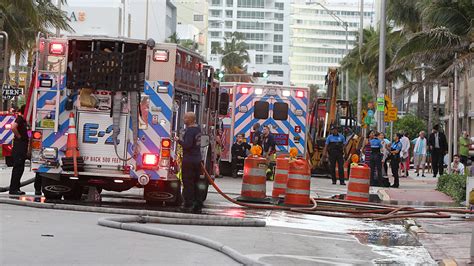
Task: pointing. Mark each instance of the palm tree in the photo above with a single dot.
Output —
(23, 19)
(235, 53)
(173, 38)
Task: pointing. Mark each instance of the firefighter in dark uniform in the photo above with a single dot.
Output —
(335, 147)
(239, 152)
(19, 152)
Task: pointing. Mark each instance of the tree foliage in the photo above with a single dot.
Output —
(234, 52)
(409, 124)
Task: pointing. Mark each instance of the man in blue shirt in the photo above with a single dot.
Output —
(376, 178)
(335, 147)
(395, 159)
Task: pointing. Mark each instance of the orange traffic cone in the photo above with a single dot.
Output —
(71, 146)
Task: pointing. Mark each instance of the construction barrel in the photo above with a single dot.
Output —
(281, 177)
(299, 183)
(254, 180)
(359, 183)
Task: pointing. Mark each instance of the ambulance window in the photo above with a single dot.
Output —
(223, 103)
(280, 111)
(260, 110)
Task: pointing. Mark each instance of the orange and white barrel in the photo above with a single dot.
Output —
(254, 178)
(359, 183)
(281, 177)
(299, 183)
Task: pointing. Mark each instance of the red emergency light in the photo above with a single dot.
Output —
(57, 48)
(165, 143)
(37, 135)
(244, 90)
(299, 94)
(150, 159)
(8, 126)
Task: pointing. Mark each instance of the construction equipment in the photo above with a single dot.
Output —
(128, 98)
(327, 112)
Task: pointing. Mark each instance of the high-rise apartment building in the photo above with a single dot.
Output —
(192, 22)
(318, 39)
(265, 25)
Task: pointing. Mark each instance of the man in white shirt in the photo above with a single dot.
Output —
(420, 153)
(405, 155)
(456, 166)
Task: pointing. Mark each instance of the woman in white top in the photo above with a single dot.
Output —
(420, 153)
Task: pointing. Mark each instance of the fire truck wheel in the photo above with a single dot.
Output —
(75, 193)
(225, 168)
(51, 188)
(9, 161)
(162, 192)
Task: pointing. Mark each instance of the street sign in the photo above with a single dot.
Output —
(9, 91)
(392, 114)
(380, 104)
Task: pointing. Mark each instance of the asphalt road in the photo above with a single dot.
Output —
(31, 236)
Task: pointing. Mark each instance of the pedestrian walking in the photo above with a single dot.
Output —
(376, 178)
(19, 152)
(257, 135)
(239, 152)
(464, 143)
(405, 155)
(191, 165)
(335, 148)
(419, 151)
(395, 150)
(438, 146)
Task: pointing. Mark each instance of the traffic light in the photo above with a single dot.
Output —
(218, 74)
(260, 74)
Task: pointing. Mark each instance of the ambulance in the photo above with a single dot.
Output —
(125, 100)
(283, 108)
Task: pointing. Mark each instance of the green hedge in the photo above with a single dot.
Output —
(453, 186)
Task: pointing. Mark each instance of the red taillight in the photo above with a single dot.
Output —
(244, 90)
(160, 55)
(299, 94)
(150, 159)
(37, 135)
(165, 143)
(56, 48)
(8, 126)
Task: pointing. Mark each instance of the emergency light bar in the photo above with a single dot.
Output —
(160, 55)
(286, 93)
(299, 94)
(259, 91)
(244, 90)
(56, 48)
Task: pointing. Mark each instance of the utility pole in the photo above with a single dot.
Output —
(347, 70)
(381, 89)
(6, 59)
(450, 123)
(146, 20)
(455, 106)
(359, 82)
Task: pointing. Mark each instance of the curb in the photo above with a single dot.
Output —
(383, 195)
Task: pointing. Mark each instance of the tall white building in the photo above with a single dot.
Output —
(265, 24)
(192, 22)
(318, 39)
(122, 18)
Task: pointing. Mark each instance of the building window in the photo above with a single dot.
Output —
(279, 6)
(215, 34)
(251, 14)
(278, 27)
(279, 16)
(229, 13)
(255, 46)
(215, 13)
(198, 17)
(230, 3)
(216, 2)
(214, 24)
(259, 59)
(277, 73)
(254, 36)
(251, 3)
(249, 25)
(278, 48)
(278, 38)
(228, 24)
(277, 59)
(215, 46)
